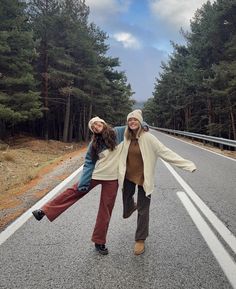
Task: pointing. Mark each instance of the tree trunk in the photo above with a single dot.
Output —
(83, 122)
(2, 129)
(186, 115)
(79, 131)
(210, 114)
(66, 120)
(232, 118)
(89, 117)
(46, 109)
(71, 128)
(45, 83)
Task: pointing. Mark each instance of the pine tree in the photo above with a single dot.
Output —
(43, 16)
(19, 100)
(196, 89)
(73, 68)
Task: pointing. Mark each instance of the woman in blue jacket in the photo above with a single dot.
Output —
(100, 168)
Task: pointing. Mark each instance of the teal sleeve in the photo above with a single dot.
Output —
(87, 172)
(120, 131)
(145, 126)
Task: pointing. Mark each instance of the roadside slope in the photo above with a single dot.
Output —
(29, 169)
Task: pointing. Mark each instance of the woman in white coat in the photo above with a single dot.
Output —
(137, 167)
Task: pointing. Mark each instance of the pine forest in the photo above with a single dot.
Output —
(196, 90)
(55, 73)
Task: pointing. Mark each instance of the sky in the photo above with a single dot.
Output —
(140, 34)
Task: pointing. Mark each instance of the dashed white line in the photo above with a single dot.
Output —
(222, 256)
(225, 233)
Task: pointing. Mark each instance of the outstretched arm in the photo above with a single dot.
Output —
(173, 158)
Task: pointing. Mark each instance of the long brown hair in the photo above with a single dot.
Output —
(106, 139)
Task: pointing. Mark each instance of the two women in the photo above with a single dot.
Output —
(137, 167)
(136, 155)
(100, 168)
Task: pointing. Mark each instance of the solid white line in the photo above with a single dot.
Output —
(222, 256)
(205, 149)
(10, 230)
(225, 233)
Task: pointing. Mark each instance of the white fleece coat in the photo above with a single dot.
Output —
(151, 148)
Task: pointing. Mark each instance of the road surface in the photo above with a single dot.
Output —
(191, 244)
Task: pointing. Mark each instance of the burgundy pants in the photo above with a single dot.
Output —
(64, 200)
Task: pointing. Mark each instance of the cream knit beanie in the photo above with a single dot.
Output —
(93, 120)
(137, 113)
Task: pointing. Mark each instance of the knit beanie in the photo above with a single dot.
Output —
(93, 120)
(137, 113)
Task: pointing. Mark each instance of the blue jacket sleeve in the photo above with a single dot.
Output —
(87, 172)
(145, 126)
(120, 130)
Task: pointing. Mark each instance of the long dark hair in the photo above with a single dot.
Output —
(106, 139)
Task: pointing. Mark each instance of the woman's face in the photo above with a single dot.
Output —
(97, 127)
(133, 124)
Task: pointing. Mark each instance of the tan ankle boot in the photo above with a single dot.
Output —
(139, 247)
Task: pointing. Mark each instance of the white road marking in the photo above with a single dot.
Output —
(222, 256)
(11, 229)
(220, 227)
(197, 146)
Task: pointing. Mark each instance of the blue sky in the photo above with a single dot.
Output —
(140, 32)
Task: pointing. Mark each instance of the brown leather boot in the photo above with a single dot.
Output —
(139, 247)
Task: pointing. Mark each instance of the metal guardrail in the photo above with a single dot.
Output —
(205, 138)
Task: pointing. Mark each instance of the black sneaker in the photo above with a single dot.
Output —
(101, 248)
(38, 214)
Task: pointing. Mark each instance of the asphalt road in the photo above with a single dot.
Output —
(186, 249)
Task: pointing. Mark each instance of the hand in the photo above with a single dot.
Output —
(146, 128)
(83, 189)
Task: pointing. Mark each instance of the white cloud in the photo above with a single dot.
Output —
(103, 10)
(175, 12)
(127, 39)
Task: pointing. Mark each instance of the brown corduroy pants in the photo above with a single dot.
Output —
(143, 205)
(64, 200)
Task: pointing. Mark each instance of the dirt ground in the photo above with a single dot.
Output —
(23, 164)
(27, 171)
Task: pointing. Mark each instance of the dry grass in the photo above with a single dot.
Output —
(22, 166)
(7, 156)
(25, 157)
